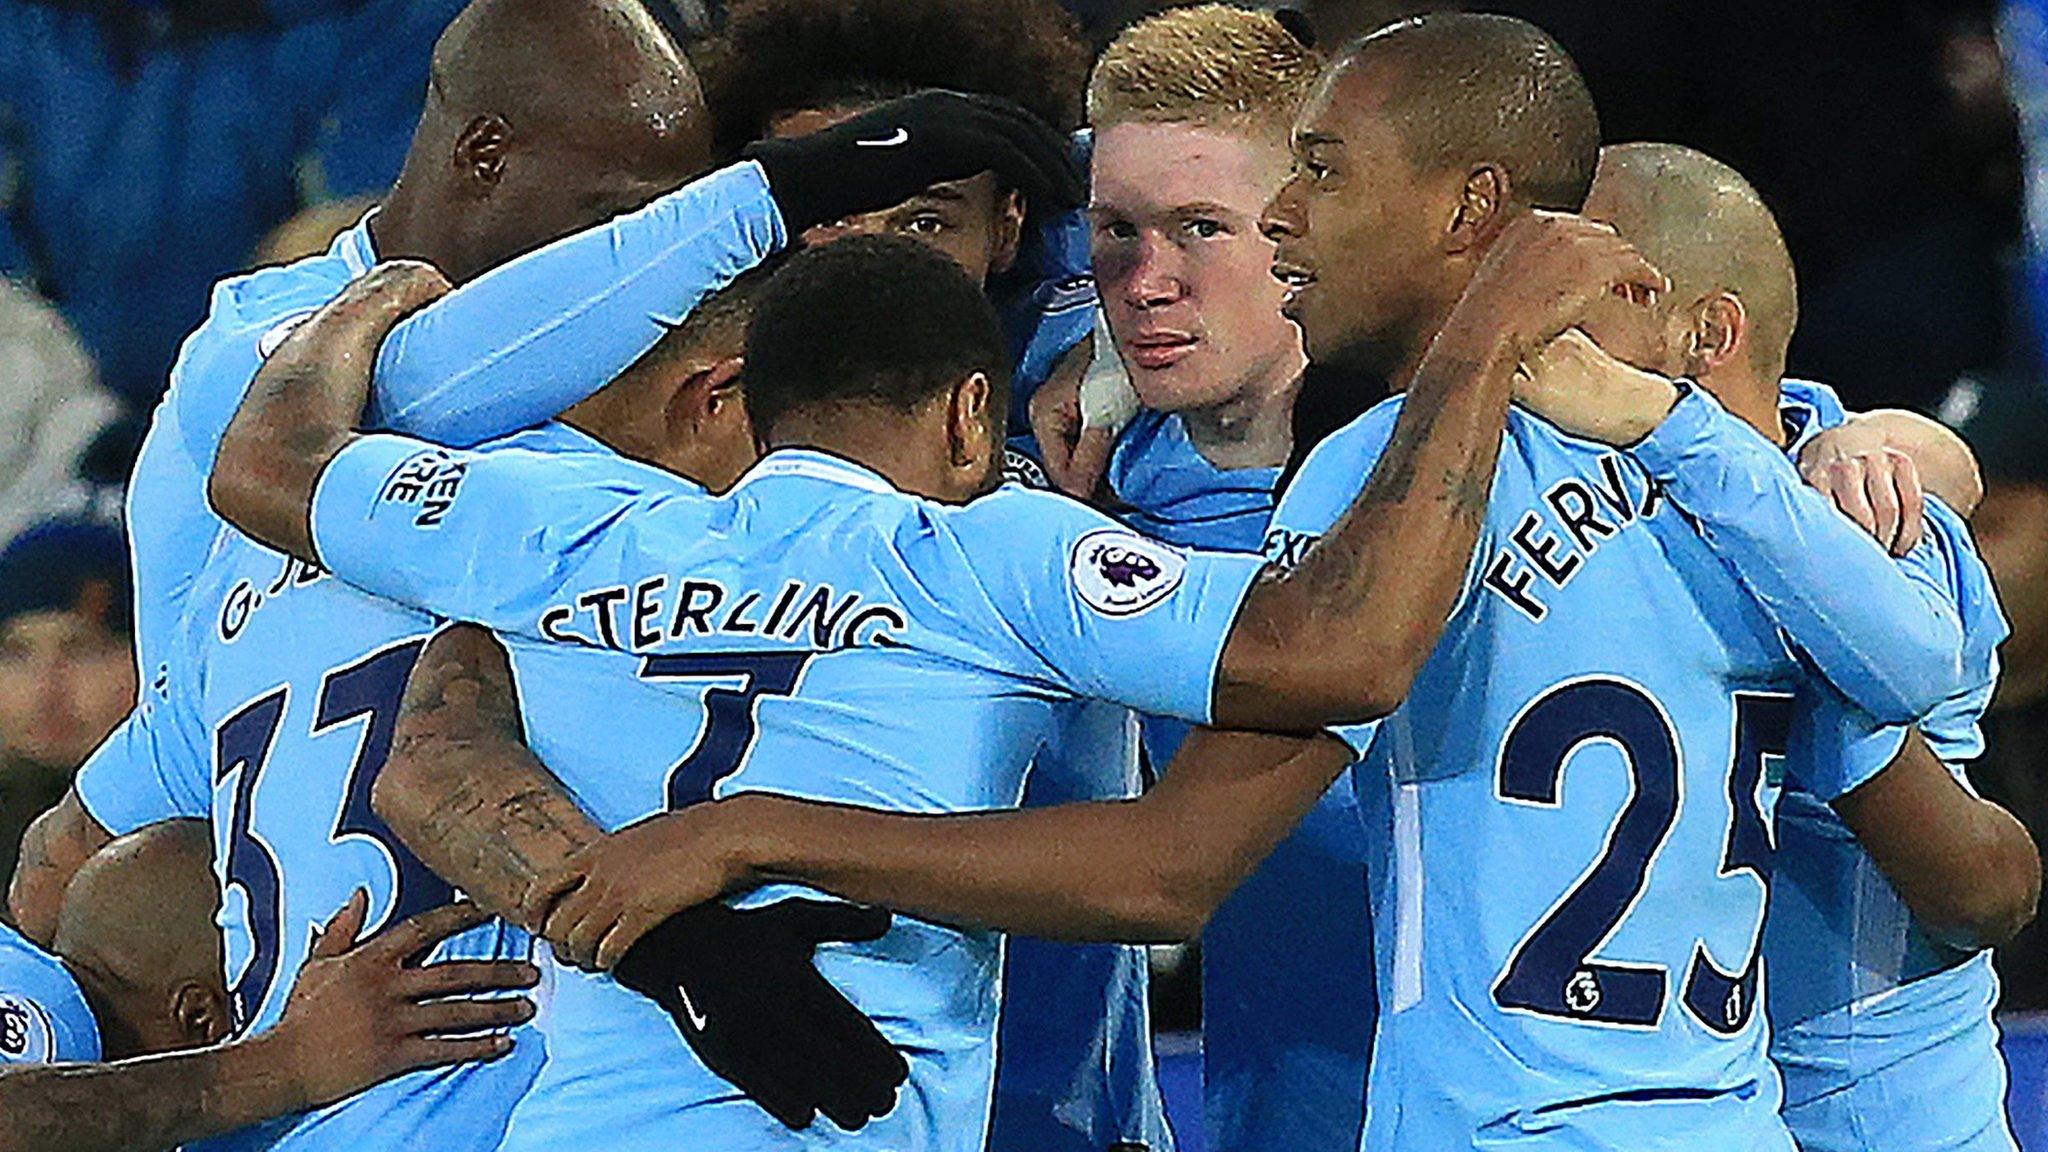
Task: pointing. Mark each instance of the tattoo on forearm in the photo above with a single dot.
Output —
(490, 817)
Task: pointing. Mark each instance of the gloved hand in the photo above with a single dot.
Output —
(890, 153)
(741, 988)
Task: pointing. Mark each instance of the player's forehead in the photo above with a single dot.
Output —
(1352, 108)
(1141, 167)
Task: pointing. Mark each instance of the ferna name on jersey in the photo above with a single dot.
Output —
(1553, 539)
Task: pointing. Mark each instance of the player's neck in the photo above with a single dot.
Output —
(885, 442)
(403, 229)
(118, 1041)
(1749, 399)
(1255, 427)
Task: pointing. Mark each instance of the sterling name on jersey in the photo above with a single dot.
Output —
(814, 632)
(1574, 800)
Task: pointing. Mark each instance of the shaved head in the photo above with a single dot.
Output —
(137, 929)
(543, 117)
(1700, 222)
(142, 908)
(554, 66)
(1468, 89)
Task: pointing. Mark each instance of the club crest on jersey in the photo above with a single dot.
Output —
(1120, 573)
(25, 1033)
(1021, 469)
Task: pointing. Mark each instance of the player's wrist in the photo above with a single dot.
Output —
(268, 1074)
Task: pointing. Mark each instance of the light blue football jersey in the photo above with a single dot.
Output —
(1884, 1034)
(1074, 1064)
(251, 660)
(1574, 804)
(44, 1018)
(1287, 983)
(814, 632)
(464, 370)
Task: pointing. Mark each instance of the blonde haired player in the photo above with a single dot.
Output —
(1191, 112)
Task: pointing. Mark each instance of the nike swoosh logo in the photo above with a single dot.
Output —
(698, 1020)
(901, 136)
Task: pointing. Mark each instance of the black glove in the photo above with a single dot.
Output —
(890, 153)
(742, 990)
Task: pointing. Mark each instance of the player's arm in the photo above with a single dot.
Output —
(461, 788)
(1149, 869)
(1876, 465)
(303, 408)
(541, 333)
(1966, 867)
(1339, 638)
(358, 1015)
(1889, 641)
(53, 849)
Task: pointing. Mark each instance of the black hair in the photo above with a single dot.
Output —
(1477, 88)
(869, 320)
(781, 56)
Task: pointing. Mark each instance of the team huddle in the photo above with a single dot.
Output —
(656, 640)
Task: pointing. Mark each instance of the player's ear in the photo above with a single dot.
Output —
(201, 1014)
(480, 151)
(1008, 233)
(967, 425)
(1480, 212)
(707, 394)
(1720, 333)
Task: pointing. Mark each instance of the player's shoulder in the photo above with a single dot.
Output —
(1335, 471)
(43, 1014)
(269, 302)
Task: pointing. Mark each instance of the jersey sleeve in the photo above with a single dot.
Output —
(490, 536)
(536, 335)
(1837, 747)
(1077, 599)
(154, 766)
(1885, 634)
(42, 1021)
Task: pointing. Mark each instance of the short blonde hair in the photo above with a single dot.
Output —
(1211, 65)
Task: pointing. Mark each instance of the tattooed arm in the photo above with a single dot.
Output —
(305, 403)
(1340, 638)
(462, 790)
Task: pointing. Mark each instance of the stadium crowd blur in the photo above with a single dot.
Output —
(151, 147)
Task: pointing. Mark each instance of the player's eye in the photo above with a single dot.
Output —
(1203, 228)
(924, 224)
(1120, 230)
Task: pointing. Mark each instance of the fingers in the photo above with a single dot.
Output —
(466, 977)
(400, 286)
(1843, 483)
(1912, 502)
(1883, 500)
(428, 928)
(547, 891)
(339, 934)
(623, 934)
(438, 1052)
(1088, 463)
(458, 1016)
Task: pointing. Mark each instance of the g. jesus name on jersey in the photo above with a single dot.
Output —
(1578, 790)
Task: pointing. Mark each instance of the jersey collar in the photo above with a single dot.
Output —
(358, 252)
(812, 464)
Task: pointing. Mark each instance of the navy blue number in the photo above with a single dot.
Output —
(1553, 972)
(1720, 1000)
(729, 727)
(371, 691)
(241, 746)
